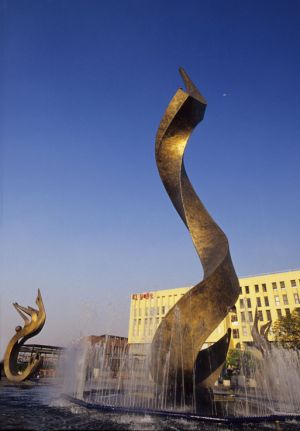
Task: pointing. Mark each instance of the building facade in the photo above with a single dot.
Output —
(49, 354)
(273, 295)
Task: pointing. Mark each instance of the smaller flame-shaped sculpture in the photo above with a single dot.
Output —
(33, 325)
(260, 336)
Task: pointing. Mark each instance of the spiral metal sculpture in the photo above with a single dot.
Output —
(185, 328)
(32, 327)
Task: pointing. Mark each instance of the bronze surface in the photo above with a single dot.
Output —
(188, 324)
(260, 336)
(209, 362)
(33, 325)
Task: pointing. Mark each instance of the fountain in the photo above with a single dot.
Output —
(175, 376)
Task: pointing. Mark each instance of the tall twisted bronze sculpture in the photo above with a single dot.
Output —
(32, 327)
(175, 350)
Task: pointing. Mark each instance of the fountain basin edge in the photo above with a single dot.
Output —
(181, 415)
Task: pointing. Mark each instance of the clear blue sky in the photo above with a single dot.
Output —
(84, 84)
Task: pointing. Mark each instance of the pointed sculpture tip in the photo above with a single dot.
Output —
(182, 72)
(191, 87)
(39, 295)
(185, 77)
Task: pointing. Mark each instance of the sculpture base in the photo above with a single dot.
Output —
(184, 415)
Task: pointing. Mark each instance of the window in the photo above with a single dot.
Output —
(139, 327)
(266, 301)
(258, 302)
(293, 283)
(134, 312)
(234, 318)
(246, 290)
(243, 318)
(268, 315)
(150, 327)
(146, 311)
(248, 302)
(245, 332)
(274, 285)
(296, 298)
(134, 328)
(157, 310)
(157, 321)
(242, 305)
(235, 333)
(241, 290)
(146, 327)
(277, 300)
(256, 288)
(279, 313)
(287, 312)
(163, 309)
(264, 286)
(250, 316)
(260, 315)
(282, 285)
(285, 300)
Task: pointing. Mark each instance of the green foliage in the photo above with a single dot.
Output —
(240, 362)
(233, 359)
(287, 330)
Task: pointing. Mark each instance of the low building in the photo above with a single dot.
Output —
(112, 342)
(106, 354)
(49, 354)
(274, 295)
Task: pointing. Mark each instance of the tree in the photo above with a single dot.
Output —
(287, 330)
(240, 362)
(233, 359)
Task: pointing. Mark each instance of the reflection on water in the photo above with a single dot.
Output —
(39, 407)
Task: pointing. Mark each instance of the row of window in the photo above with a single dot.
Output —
(160, 306)
(150, 311)
(282, 285)
(246, 302)
(247, 331)
(236, 332)
(248, 316)
(148, 329)
(243, 302)
(151, 324)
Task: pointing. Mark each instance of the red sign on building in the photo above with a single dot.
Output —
(147, 295)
